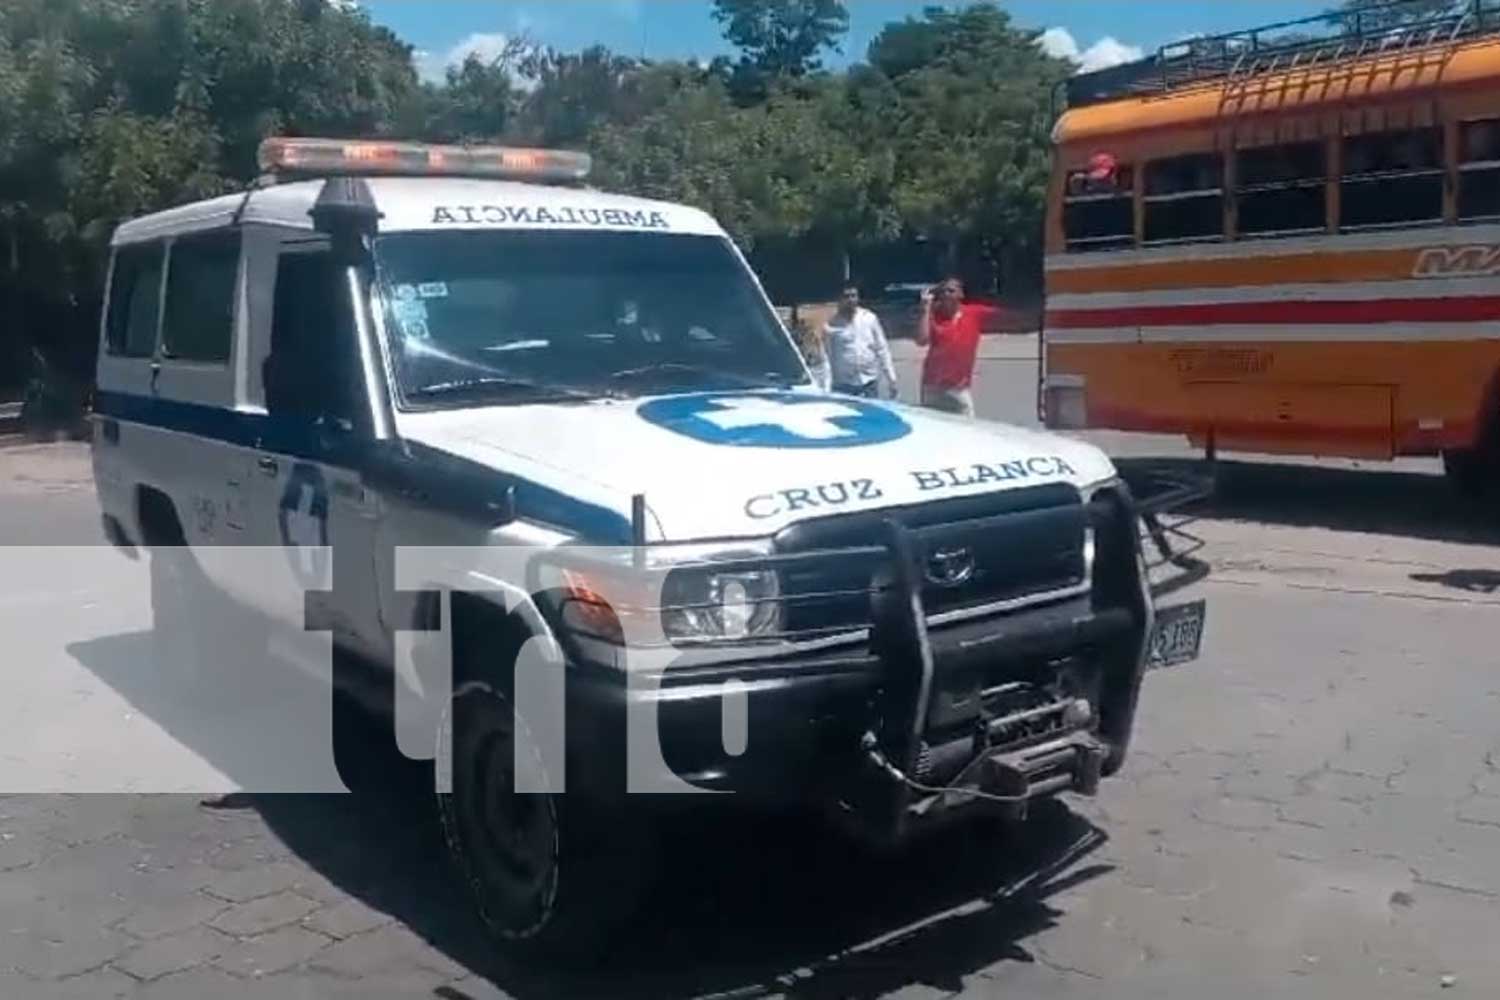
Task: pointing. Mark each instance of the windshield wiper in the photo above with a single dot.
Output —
(677, 368)
(499, 385)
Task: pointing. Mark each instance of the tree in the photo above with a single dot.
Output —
(112, 108)
(778, 39)
(574, 92)
(967, 110)
(687, 151)
(475, 104)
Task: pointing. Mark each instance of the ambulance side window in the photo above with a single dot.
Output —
(312, 372)
(201, 279)
(134, 302)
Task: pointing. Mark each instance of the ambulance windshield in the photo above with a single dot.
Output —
(574, 314)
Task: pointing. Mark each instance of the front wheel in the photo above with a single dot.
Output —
(551, 877)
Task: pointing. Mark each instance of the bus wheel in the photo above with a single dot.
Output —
(1471, 471)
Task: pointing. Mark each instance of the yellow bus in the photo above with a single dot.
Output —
(1286, 240)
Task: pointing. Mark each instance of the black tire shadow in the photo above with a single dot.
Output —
(1470, 581)
(1384, 502)
(749, 903)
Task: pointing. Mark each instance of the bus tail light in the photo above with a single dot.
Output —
(1064, 403)
(335, 157)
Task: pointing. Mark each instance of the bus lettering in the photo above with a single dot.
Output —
(1457, 262)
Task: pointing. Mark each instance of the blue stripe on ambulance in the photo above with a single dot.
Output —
(534, 501)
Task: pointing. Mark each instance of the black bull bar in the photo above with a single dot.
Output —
(1083, 744)
(896, 774)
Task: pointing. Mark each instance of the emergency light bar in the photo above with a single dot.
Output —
(335, 157)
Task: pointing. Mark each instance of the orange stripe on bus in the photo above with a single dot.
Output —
(1229, 272)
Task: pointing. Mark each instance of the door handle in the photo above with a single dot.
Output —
(268, 466)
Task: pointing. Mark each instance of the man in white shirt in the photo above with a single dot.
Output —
(858, 354)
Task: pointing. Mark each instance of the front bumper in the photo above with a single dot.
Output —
(898, 731)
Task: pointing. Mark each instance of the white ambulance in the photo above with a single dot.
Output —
(920, 618)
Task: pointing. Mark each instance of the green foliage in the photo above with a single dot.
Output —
(782, 38)
(968, 100)
(944, 135)
(574, 92)
(113, 108)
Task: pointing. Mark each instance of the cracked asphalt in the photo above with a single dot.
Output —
(1312, 809)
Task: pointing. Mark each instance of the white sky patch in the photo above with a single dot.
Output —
(487, 45)
(1107, 51)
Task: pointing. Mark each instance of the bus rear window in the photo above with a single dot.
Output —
(1099, 211)
(1185, 198)
(1282, 190)
(1479, 170)
(1392, 178)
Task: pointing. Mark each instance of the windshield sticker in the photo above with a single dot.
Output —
(433, 290)
(831, 496)
(525, 215)
(776, 420)
(410, 314)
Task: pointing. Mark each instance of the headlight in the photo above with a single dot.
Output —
(691, 600)
(702, 603)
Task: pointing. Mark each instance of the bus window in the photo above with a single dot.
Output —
(1479, 170)
(1185, 198)
(1391, 178)
(1099, 209)
(1281, 190)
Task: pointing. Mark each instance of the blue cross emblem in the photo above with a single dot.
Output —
(776, 420)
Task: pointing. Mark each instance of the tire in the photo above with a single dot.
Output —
(1471, 471)
(552, 878)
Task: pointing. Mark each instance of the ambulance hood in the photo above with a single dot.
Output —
(743, 464)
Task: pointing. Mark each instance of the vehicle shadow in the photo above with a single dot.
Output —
(1470, 581)
(1371, 501)
(255, 719)
(748, 903)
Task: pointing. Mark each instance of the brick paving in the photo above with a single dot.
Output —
(1311, 810)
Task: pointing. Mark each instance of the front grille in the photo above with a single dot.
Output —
(973, 551)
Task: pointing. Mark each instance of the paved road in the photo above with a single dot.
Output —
(1313, 809)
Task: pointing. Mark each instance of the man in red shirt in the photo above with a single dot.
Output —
(950, 330)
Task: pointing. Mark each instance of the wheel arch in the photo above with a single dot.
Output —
(157, 521)
(1487, 415)
(491, 621)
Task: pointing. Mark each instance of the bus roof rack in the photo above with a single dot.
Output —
(1320, 40)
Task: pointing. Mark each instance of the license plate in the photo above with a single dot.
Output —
(1177, 636)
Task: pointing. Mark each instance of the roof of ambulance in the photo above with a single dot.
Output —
(416, 203)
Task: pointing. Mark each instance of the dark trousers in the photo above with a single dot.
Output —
(867, 390)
